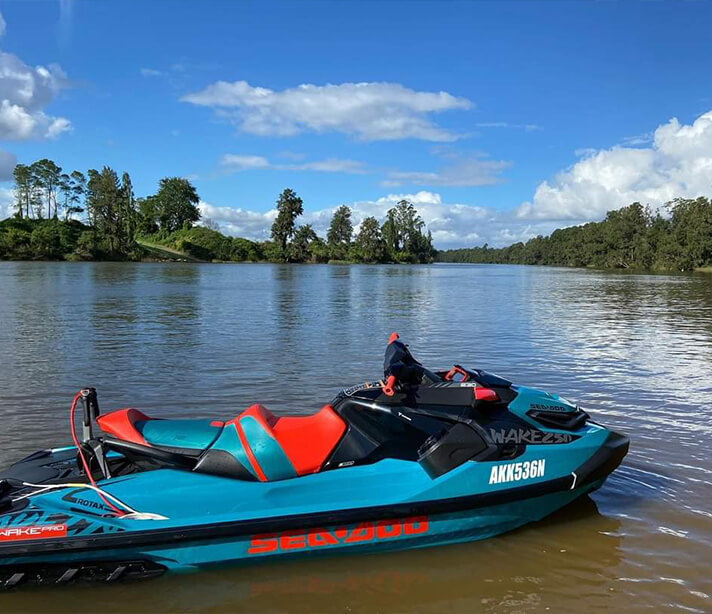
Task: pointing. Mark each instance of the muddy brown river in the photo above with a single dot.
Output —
(208, 340)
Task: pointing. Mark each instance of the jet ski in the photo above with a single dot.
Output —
(418, 458)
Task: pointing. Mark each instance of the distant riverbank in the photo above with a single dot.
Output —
(633, 237)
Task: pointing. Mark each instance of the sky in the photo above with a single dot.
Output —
(498, 120)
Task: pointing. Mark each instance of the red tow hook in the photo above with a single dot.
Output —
(389, 386)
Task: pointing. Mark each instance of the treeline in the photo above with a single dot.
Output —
(399, 239)
(633, 237)
(49, 204)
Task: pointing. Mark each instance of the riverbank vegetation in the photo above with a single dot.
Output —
(629, 238)
(96, 216)
(63, 215)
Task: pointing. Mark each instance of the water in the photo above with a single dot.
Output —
(209, 340)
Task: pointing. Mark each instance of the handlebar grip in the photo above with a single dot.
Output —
(388, 388)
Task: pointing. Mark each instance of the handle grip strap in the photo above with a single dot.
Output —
(389, 386)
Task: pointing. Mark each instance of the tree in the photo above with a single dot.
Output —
(147, 215)
(319, 250)
(47, 177)
(46, 240)
(299, 248)
(289, 208)
(72, 188)
(338, 237)
(691, 232)
(103, 204)
(176, 203)
(129, 214)
(369, 242)
(403, 234)
(26, 194)
(111, 211)
(390, 233)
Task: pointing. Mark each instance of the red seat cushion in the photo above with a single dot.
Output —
(122, 424)
(307, 441)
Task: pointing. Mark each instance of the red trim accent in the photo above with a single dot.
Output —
(485, 394)
(388, 389)
(250, 455)
(392, 338)
(122, 425)
(454, 371)
(217, 424)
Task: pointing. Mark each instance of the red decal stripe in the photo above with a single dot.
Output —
(248, 451)
(49, 531)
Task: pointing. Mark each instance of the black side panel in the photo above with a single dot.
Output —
(353, 447)
(568, 421)
(222, 463)
(454, 446)
(373, 435)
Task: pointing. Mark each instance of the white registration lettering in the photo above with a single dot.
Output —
(516, 472)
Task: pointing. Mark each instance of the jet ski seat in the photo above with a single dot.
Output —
(189, 437)
(256, 445)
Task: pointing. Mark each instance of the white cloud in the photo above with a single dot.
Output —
(237, 162)
(24, 92)
(679, 163)
(367, 111)
(474, 170)
(2, 25)
(7, 165)
(240, 222)
(6, 203)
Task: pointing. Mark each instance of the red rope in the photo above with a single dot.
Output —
(84, 460)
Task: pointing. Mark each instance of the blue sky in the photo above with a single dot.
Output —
(501, 120)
